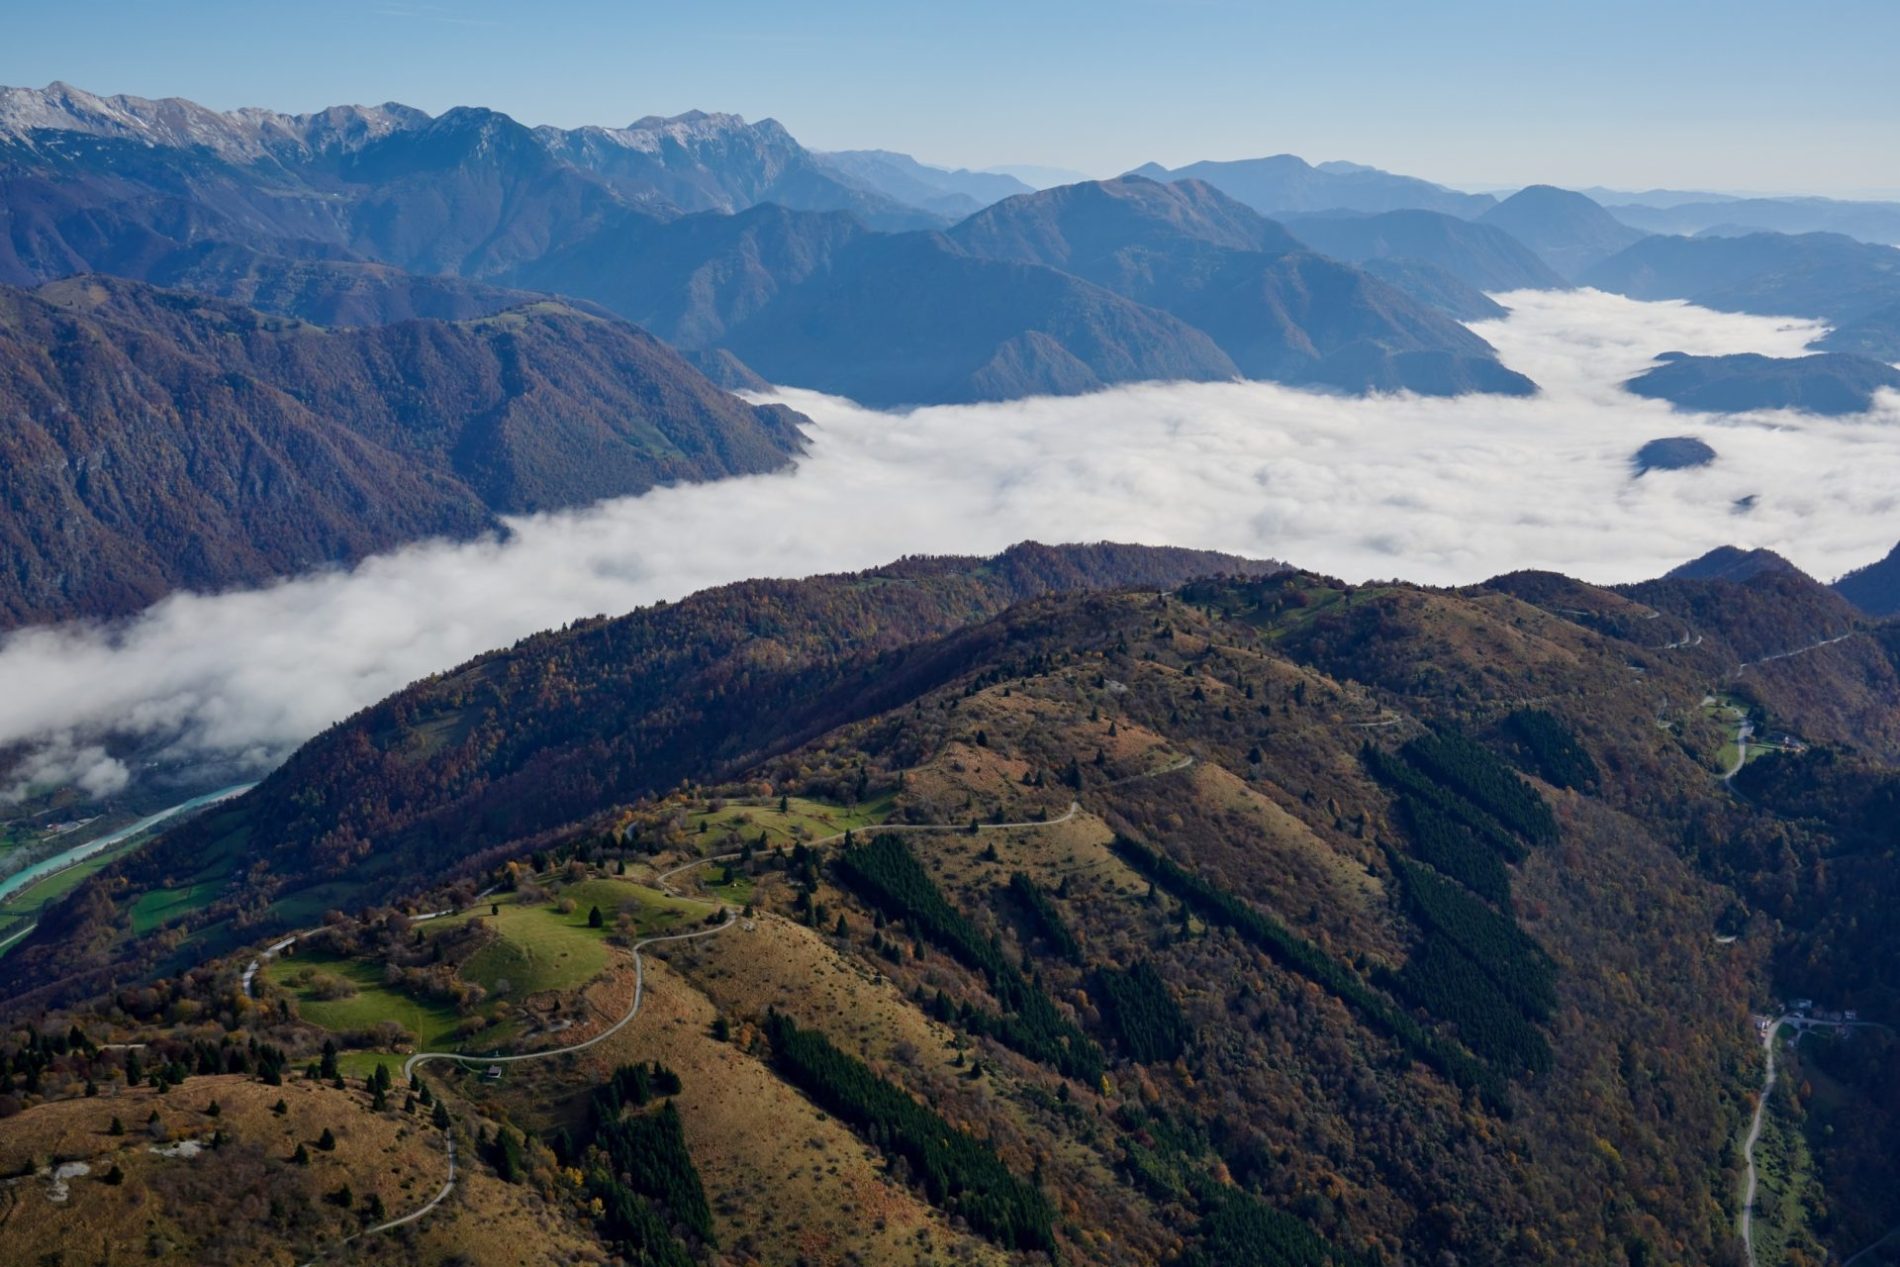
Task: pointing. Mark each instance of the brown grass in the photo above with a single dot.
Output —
(788, 1183)
(215, 1207)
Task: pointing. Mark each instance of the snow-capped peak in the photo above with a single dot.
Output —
(240, 135)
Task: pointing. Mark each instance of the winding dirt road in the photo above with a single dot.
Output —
(1800, 1023)
(410, 1217)
(1747, 1222)
(727, 921)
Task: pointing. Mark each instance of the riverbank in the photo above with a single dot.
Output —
(28, 891)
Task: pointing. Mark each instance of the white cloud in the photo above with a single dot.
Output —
(59, 761)
(1438, 491)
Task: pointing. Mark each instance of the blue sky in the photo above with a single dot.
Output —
(1738, 95)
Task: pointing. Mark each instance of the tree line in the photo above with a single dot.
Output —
(1137, 1007)
(639, 1169)
(958, 1172)
(887, 875)
(1467, 812)
(1295, 953)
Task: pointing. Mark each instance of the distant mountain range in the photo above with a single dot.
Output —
(691, 162)
(1480, 255)
(903, 179)
(1279, 311)
(1853, 285)
(1287, 183)
(820, 301)
(160, 441)
(728, 239)
(1039, 175)
(1877, 222)
(1829, 383)
(1064, 290)
(863, 273)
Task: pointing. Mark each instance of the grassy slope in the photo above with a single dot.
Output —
(540, 948)
(384, 1153)
(430, 1025)
(802, 819)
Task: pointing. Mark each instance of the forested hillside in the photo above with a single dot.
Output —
(163, 441)
(1099, 912)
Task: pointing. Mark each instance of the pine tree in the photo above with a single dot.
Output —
(327, 1140)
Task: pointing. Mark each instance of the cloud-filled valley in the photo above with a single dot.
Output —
(1431, 490)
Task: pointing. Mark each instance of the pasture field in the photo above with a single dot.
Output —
(539, 947)
(800, 820)
(430, 1025)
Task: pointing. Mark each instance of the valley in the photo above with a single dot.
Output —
(1011, 658)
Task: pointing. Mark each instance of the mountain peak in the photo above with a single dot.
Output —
(1567, 229)
(1733, 563)
(245, 135)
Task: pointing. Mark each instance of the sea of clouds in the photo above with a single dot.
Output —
(1430, 490)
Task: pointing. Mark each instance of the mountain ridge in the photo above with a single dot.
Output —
(1308, 889)
(1288, 183)
(178, 441)
(1278, 311)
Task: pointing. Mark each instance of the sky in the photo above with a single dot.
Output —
(1737, 95)
(1441, 491)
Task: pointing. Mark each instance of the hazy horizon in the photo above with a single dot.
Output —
(1624, 96)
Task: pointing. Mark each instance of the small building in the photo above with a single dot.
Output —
(492, 1074)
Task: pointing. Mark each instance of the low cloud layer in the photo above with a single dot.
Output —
(1430, 490)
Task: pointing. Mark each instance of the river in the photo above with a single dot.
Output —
(99, 844)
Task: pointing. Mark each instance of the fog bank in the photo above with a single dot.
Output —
(1438, 491)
